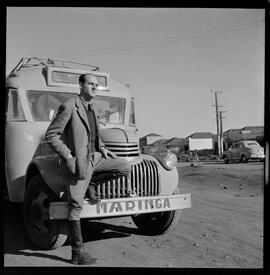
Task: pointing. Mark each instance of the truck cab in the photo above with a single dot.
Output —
(35, 89)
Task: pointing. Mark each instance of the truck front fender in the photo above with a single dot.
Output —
(169, 179)
(49, 169)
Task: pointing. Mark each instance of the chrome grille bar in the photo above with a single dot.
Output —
(113, 188)
(144, 182)
(149, 174)
(141, 181)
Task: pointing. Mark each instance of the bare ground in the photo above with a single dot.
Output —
(223, 229)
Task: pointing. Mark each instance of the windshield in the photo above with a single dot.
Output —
(44, 105)
(110, 109)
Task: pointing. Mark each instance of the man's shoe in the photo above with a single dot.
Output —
(82, 258)
(93, 198)
(78, 255)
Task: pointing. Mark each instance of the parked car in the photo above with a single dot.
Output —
(244, 151)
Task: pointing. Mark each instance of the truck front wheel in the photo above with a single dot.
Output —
(157, 223)
(225, 159)
(43, 232)
(244, 159)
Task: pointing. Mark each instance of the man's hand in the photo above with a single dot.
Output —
(107, 153)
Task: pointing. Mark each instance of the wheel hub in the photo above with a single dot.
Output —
(39, 212)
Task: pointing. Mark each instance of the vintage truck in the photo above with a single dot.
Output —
(34, 90)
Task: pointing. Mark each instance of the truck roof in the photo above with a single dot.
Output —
(37, 76)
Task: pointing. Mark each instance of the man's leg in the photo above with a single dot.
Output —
(105, 170)
(75, 192)
(115, 167)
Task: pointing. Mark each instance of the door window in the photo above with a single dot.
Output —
(14, 106)
(44, 104)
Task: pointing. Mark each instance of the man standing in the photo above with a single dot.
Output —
(74, 136)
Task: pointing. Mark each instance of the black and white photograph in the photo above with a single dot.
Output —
(135, 137)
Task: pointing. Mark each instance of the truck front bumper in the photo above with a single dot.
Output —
(123, 206)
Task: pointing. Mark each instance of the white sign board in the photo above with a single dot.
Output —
(123, 206)
(200, 143)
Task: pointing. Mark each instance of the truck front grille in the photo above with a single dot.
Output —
(144, 181)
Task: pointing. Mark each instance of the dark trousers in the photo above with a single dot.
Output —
(76, 189)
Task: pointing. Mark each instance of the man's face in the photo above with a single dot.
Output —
(89, 87)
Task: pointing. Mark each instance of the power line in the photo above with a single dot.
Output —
(168, 39)
(151, 44)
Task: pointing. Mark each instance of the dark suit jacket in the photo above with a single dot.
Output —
(69, 132)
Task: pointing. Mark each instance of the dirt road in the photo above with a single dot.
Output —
(223, 229)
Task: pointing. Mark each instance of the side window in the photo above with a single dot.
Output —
(43, 105)
(14, 106)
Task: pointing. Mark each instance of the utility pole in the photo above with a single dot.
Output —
(217, 120)
(221, 130)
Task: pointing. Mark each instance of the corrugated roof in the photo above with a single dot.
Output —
(153, 135)
(201, 135)
(252, 127)
(161, 141)
(244, 128)
(171, 141)
(232, 130)
(176, 141)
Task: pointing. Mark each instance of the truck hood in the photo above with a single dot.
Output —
(118, 135)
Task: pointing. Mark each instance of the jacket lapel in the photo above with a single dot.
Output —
(82, 113)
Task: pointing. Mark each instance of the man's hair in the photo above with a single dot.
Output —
(83, 76)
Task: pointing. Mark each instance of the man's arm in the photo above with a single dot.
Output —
(101, 144)
(107, 153)
(56, 129)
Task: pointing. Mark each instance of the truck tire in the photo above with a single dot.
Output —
(157, 223)
(244, 159)
(43, 232)
(225, 159)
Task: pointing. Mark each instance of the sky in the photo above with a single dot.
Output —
(174, 59)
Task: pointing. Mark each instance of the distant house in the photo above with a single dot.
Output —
(149, 139)
(201, 141)
(174, 144)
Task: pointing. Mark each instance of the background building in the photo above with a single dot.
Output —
(149, 139)
(245, 133)
(201, 141)
(204, 143)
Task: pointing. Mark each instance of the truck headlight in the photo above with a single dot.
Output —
(170, 160)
